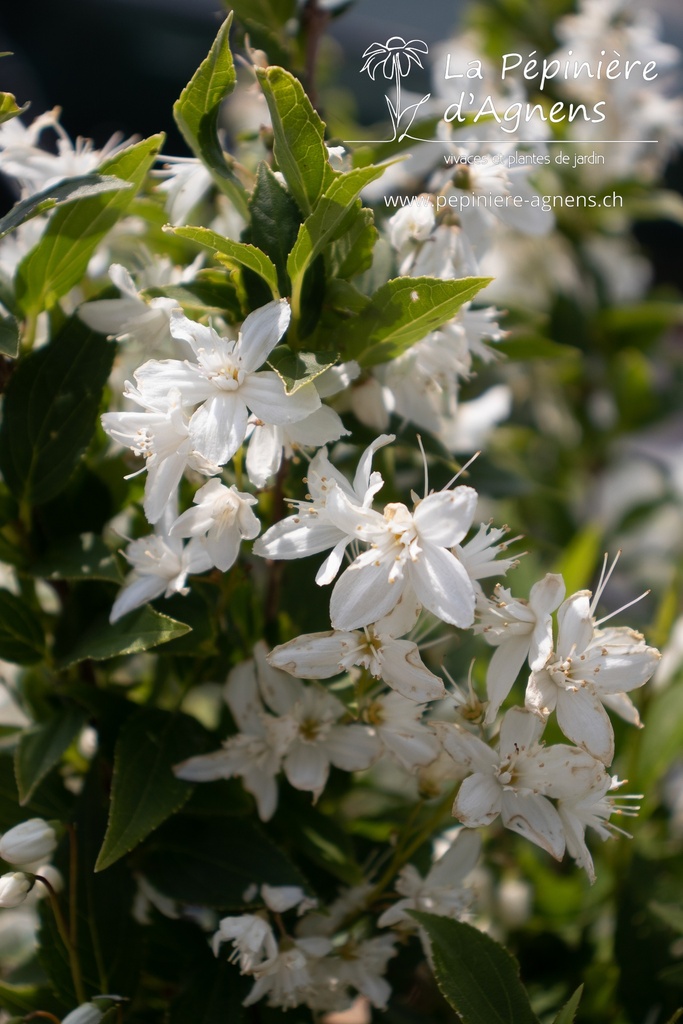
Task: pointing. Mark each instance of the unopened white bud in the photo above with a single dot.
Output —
(14, 888)
(31, 841)
(86, 1013)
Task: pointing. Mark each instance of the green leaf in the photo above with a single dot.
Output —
(353, 252)
(21, 635)
(671, 915)
(24, 999)
(333, 215)
(196, 114)
(41, 748)
(298, 137)
(402, 312)
(234, 254)
(8, 106)
(676, 1017)
(533, 346)
(579, 558)
(85, 557)
(214, 996)
(211, 862)
(50, 800)
(60, 259)
(51, 406)
(568, 1011)
(298, 368)
(145, 791)
(9, 337)
(65, 191)
(138, 631)
(275, 220)
(107, 939)
(478, 977)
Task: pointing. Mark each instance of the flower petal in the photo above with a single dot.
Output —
(536, 819)
(584, 721)
(442, 585)
(444, 518)
(478, 801)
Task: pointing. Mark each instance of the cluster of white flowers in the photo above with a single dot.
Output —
(329, 955)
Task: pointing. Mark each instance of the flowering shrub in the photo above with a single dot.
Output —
(255, 799)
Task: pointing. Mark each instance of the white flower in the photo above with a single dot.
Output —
(130, 316)
(280, 898)
(14, 888)
(250, 754)
(588, 669)
(592, 808)
(220, 521)
(397, 722)
(287, 977)
(269, 442)
(225, 381)
(516, 781)
(407, 550)
(311, 531)
(397, 662)
(31, 841)
(359, 965)
(413, 223)
(441, 891)
(520, 631)
(161, 565)
(160, 434)
(185, 182)
(252, 938)
(311, 738)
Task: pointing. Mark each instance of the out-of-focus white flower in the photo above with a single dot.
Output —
(185, 182)
(130, 316)
(86, 1013)
(252, 938)
(31, 841)
(14, 888)
(441, 891)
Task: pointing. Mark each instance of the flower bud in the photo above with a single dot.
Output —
(14, 888)
(31, 841)
(86, 1013)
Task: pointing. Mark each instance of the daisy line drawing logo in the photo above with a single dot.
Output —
(395, 58)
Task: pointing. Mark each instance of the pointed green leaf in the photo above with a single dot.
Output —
(68, 190)
(60, 259)
(298, 137)
(275, 220)
(22, 640)
(234, 254)
(8, 105)
(298, 368)
(51, 406)
(138, 631)
(196, 114)
(334, 214)
(9, 337)
(145, 791)
(212, 861)
(41, 748)
(353, 252)
(568, 1011)
(478, 977)
(85, 557)
(402, 312)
